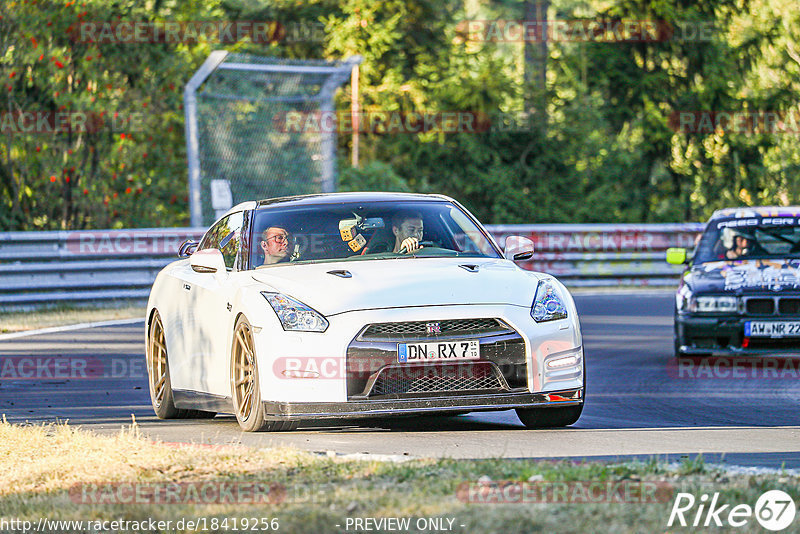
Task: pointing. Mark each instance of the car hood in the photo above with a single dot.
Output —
(747, 276)
(402, 282)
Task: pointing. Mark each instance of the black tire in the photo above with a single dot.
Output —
(677, 347)
(678, 342)
(158, 379)
(549, 417)
(245, 388)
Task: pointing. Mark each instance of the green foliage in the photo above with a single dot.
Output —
(374, 176)
(126, 168)
(610, 150)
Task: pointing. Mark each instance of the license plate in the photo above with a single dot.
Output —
(772, 329)
(439, 351)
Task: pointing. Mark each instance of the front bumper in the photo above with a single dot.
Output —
(724, 335)
(336, 367)
(450, 403)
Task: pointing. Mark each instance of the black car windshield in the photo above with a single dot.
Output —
(749, 238)
(364, 231)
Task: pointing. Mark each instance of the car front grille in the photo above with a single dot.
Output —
(426, 329)
(789, 306)
(772, 305)
(395, 380)
(760, 306)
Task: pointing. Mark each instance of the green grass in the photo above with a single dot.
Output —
(320, 492)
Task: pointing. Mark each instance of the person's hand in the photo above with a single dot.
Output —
(409, 244)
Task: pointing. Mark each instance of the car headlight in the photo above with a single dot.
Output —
(548, 304)
(713, 304)
(294, 315)
(683, 298)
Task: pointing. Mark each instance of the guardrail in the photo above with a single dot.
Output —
(85, 266)
(104, 265)
(597, 255)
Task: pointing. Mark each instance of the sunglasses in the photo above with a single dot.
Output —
(280, 239)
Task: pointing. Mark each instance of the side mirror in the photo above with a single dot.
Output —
(207, 261)
(676, 256)
(187, 248)
(518, 248)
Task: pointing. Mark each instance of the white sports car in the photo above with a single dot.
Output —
(359, 305)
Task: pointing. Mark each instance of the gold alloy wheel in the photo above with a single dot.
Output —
(243, 372)
(157, 361)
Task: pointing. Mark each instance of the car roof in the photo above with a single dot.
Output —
(340, 198)
(756, 211)
(333, 198)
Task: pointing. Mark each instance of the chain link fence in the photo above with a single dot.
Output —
(241, 145)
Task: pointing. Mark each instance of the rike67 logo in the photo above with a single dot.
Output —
(774, 510)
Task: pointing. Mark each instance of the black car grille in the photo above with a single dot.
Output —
(787, 306)
(760, 306)
(422, 329)
(766, 306)
(437, 378)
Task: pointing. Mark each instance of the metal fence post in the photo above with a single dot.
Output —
(192, 143)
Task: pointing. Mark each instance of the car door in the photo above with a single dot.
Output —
(209, 320)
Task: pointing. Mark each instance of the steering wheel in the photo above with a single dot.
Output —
(422, 244)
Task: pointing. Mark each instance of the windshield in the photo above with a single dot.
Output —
(364, 231)
(750, 238)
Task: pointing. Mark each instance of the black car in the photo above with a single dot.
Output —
(740, 293)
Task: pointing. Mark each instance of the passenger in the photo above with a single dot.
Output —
(275, 244)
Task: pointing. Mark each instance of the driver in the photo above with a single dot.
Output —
(738, 243)
(407, 228)
(275, 244)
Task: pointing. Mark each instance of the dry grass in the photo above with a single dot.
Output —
(18, 321)
(42, 463)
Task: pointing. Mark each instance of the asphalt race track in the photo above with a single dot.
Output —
(641, 402)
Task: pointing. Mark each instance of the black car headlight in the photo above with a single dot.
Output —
(548, 303)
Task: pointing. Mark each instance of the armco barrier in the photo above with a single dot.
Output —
(104, 265)
(85, 265)
(604, 254)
